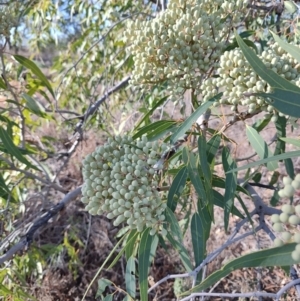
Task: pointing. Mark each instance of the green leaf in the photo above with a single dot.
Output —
(291, 7)
(108, 297)
(175, 238)
(2, 84)
(289, 167)
(257, 177)
(155, 128)
(220, 202)
(12, 149)
(202, 149)
(186, 125)
(275, 198)
(281, 132)
(35, 70)
(158, 103)
(130, 277)
(260, 146)
(153, 247)
(33, 107)
(285, 94)
(230, 185)
(212, 147)
(266, 258)
(266, 74)
(190, 161)
(293, 50)
(283, 100)
(260, 124)
(177, 187)
(234, 45)
(200, 229)
(292, 141)
(144, 263)
(270, 159)
(102, 285)
(244, 208)
(130, 243)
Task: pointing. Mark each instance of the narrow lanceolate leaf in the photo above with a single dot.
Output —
(281, 132)
(2, 84)
(260, 146)
(203, 158)
(130, 277)
(190, 161)
(33, 107)
(186, 125)
(285, 94)
(150, 111)
(175, 238)
(212, 147)
(293, 50)
(280, 256)
(292, 141)
(154, 128)
(177, 188)
(289, 166)
(230, 185)
(200, 228)
(35, 70)
(130, 243)
(283, 100)
(144, 263)
(272, 78)
(13, 149)
(219, 201)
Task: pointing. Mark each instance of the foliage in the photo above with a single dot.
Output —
(158, 182)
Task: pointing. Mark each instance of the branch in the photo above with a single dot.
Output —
(27, 239)
(90, 111)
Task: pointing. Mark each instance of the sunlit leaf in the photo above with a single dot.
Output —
(260, 146)
(293, 50)
(13, 149)
(35, 70)
(186, 125)
(280, 256)
(33, 107)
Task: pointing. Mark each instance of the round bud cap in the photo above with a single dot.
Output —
(278, 227)
(296, 256)
(296, 184)
(275, 218)
(289, 209)
(289, 190)
(286, 236)
(297, 209)
(284, 217)
(278, 242)
(294, 220)
(286, 180)
(296, 238)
